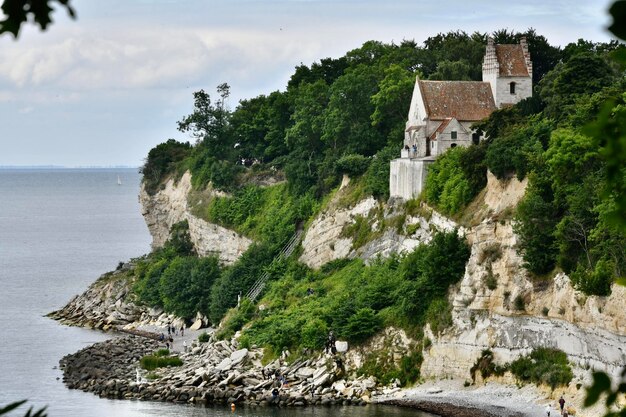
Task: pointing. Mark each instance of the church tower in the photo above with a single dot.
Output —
(508, 69)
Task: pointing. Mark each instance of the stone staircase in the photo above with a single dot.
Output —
(286, 251)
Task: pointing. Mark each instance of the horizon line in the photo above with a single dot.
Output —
(69, 167)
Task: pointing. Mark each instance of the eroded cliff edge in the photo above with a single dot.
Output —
(169, 205)
(497, 305)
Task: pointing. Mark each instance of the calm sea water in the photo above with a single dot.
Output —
(59, 230)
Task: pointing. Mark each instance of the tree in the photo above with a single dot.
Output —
(161, 160)
(208, 123)
(582, 74)
(391, 101)
(185, 286)
(18, 12)
(347, 124)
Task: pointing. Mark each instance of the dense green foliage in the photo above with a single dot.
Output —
(354, 300)
(382, 366)
(161, 160)
(336, 116)
(487, 367)
(174, 278)
(566, 218)
(543, 366)
(456, 178)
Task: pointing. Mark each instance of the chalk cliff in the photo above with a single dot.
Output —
(496, 305)
(170, 205)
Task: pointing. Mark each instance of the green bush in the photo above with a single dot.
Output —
(597, 281)
(152, 362)
(161, 161)
(185, 286)
(314, 334)
(361, 325)
(543, 366)
(377, 175)
(486, 366)
(353, 165)
(447, 186)
(204, 337)
(162, 352)
(429, 270)
(359, 231)
(382, 366)
(236, 319)
(238, 279)
(439, 315)
(179, 240)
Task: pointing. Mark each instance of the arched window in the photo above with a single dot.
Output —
(512, 87)
(453, 145)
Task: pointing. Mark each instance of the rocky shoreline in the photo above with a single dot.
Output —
(213, 373)
(221, 372)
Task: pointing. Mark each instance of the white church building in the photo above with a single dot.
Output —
(442, 113)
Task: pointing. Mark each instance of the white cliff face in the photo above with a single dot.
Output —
(170, 205)
(496, 305)
(323, 243)
(165, 208)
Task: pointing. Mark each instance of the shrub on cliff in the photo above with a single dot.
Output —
(428, 272)
(543, 366)
(353, 165)
(161, 161)
(237, 280)
(185, 286)
(452, 182)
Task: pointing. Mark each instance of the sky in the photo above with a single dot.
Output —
(103, 89)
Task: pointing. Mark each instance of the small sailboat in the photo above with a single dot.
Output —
(119, 181)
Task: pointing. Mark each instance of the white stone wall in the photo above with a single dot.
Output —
(407, 177)
(502, 94)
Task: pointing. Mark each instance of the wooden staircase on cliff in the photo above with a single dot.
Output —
(286, 251)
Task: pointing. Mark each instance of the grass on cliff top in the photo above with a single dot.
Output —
(265, 214)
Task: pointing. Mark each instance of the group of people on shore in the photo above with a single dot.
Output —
(171, 332)
(561, 406)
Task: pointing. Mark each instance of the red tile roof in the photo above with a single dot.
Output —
(441, 128)
(462, 100)
(511, 60)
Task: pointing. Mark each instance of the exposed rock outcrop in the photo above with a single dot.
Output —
(169, 206)
(105, 304)
(324, 242)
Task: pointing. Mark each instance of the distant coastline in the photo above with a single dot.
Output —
(62, 167)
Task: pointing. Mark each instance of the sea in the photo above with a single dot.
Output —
(60, 229)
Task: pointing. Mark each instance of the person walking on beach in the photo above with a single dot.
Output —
(562, 404)
(182, 329)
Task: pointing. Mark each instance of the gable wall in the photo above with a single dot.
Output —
(502, 95)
